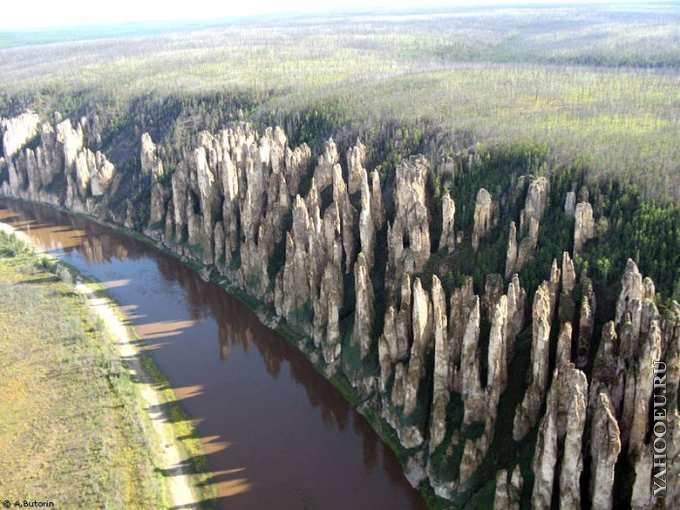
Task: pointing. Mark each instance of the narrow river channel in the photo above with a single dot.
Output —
(277, 435)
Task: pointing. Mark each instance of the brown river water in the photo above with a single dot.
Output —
(277, 435)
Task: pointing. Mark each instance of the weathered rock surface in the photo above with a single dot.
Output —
(448, 238)
(327, 315)
(605, 446)
(517, 298)
(564, 345)
(570, 203)
(470, 383)
(483, 217)
(441, 394)
(17, 131)
(377, 207)
(408, 237)
(568, 274)
(563, 424)
(367, 225)
(329, 158)
(508, 489)
(584, 226)
(586, 323)
(363, 317)
(234, 203)
(60, 154)
(150, 163)
(526, 415)
(519, 252)
(630, 298)
(462, 302)
(422, 343)
(356, 158)
(511, 251)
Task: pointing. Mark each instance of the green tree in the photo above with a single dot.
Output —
(603, 267)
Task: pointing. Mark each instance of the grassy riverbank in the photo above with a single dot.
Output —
(72, 425)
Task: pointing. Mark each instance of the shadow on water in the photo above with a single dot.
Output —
(275, 434)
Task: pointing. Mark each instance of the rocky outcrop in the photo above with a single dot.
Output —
(511, 251)
(630, 297)
(329, 158)
(94, 169)
(563, 356)
(563, 424)
(570, 204)
(394, 342)
(356, 158)
(508, 489)
(536, 201)
(17, 131)
(441, 394)
(422, 343)
(297, 161)
(367, 226)
(483, 217)
(462, 302)
(481, 404)
(447, 241)
(497, 363)
(152, 165)
(363, 317)
(519, 252)
(377, 207)
(411, 367)
(607, 368)
(470, 383)
(605, 446)
(327, 316)
(311, 246)
(638, 391)
(85, 177)
(527, 414)
(348, 216)
(586, 323)
(517, 298)
(296, 282)
(408, 237)
(568, 274)
(584, 226)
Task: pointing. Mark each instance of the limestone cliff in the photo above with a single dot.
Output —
(449, 363)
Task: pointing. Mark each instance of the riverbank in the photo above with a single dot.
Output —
(97, 430)
(291, 334)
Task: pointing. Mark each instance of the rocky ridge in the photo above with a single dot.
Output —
(435, 365)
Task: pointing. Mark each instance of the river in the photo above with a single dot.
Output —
(276, 434)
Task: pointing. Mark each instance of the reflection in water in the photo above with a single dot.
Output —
(276, 434)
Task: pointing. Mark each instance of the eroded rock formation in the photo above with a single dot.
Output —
(408, 236)
(342, 254)
(584, 226)
(16, 131)
(527, 414)
(522, 243)
(483, 217)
